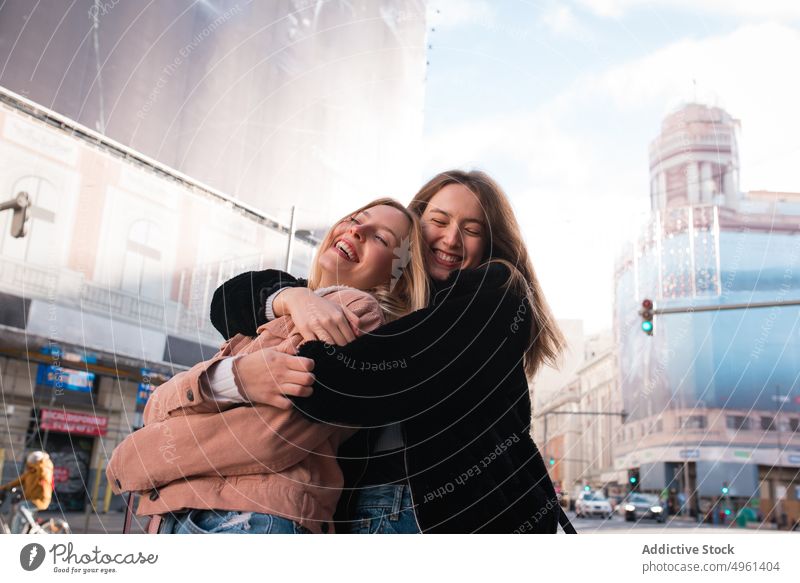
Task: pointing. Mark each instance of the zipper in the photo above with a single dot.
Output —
(408, 478)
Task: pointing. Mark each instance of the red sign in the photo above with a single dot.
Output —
(73, 422)
(60, 474)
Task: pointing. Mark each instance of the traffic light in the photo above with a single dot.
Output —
(633, 479)
(647, 317)
(19, 222)
(552, 461)
(725, 489)
(587, 488)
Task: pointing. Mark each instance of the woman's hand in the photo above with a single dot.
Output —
(269, 376)
(316, 318)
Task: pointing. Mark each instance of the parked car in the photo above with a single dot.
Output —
(637, 506)
(593, 504)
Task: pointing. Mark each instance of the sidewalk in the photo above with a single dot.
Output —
(108, 523)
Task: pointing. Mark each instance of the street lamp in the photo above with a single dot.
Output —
(19, 222)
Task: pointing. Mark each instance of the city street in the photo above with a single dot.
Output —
(675, 525)
(111, 523)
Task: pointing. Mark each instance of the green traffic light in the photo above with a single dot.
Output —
(633, 479)
(552, 461)
(647, 326)
(725, 490)
(586, 488)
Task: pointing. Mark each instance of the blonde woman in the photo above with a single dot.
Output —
(212, 458)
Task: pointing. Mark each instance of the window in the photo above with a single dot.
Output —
(737, 422)
(141, 268)
(768, 423)
(793, 424)
(693, 422)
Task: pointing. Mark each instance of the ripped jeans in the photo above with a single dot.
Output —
(228, 522)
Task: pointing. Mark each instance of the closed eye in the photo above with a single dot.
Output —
(382, 240)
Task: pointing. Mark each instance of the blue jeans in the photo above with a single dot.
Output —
(383, 510)
(228, 522)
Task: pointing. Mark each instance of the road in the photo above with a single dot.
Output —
(617, 525)
(112, 523)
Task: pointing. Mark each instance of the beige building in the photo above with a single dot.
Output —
(579, 427)
(108, 292)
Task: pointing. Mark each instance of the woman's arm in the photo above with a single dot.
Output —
(243, 440)
(425, 358)
(11, 484)
(273, 373)
(237, 306)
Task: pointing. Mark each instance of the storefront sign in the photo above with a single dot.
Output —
(65, 378)
(73, 422)
(60, 474)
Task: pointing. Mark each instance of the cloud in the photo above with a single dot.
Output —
(746, 72)
(561, 20)
(773, 9)
(448, 14)
(576, 167)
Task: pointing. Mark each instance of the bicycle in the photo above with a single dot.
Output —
(32, 525)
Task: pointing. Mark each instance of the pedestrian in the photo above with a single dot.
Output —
(37, 489)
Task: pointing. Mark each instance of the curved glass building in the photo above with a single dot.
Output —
(713, 397)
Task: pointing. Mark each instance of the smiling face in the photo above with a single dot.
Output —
(455, 231)
(362, 247)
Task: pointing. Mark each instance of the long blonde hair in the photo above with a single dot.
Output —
(505, 245)
(410, 290)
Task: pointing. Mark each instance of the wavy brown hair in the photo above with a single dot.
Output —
(504, 244)
(410, 292)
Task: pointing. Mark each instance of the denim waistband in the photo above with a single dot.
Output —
(392, 498)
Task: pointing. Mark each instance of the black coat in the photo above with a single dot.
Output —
(453, 374)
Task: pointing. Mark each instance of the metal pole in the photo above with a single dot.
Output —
(740, 306)
(290, 246)
(545, 439)
(692, 264)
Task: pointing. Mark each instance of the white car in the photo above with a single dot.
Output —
(637, 506)
(593, 504)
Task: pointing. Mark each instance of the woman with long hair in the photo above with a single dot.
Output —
(441, 394)
(224, 462)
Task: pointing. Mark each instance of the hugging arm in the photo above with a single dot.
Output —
(242, 304)
(242, 440)
(422, 360)
(237, 306)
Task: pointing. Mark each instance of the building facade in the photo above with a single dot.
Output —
(713, 397)
(162, 161)
(107, 295)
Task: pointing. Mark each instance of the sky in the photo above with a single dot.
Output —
(559, 101)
